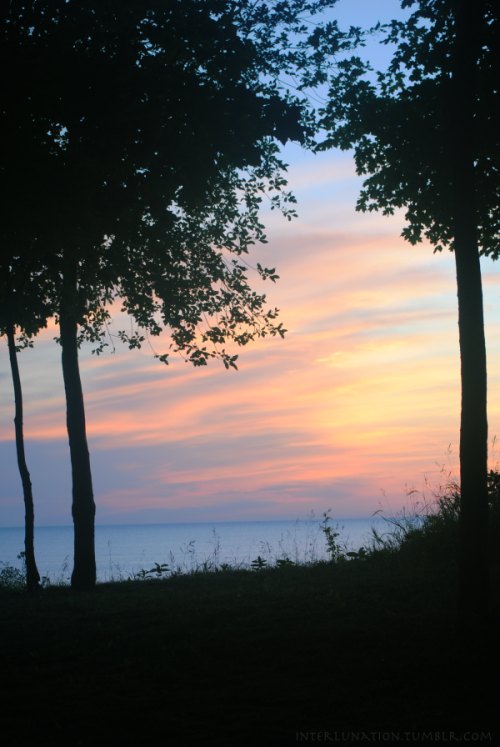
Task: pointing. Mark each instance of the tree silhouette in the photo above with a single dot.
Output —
(22, 308)
(428, 134)
(137, 120)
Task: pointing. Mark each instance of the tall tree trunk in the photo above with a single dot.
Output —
(83, 508)
(32, 575)
(473, 558)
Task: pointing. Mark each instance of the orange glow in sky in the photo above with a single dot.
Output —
(362, 395)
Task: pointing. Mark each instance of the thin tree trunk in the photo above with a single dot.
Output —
(473, 522)
(32, 575)
(83, 508)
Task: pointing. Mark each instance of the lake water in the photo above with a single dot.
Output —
(124, 550)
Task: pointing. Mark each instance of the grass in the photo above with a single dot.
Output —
(281, 654)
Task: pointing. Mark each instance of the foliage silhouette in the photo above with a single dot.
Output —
(432, 528)
(336, 551)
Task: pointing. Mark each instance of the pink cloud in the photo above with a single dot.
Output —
(362, 394)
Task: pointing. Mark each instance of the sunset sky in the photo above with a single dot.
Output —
(362, 395)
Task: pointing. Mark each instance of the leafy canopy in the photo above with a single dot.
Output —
(140, 141)
(399, 125)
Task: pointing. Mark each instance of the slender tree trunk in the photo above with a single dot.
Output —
(473, 559)
(83, 508)
(32, 575)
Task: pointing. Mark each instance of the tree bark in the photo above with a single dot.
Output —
(32, 575)
(473, 521)
(83, 508)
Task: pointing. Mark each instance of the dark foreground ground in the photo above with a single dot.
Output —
(359, 652)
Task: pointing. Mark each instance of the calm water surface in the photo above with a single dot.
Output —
(125, 549)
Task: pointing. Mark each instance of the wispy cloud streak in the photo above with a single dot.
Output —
(362, 395)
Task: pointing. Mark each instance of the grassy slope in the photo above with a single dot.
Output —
(242, 658)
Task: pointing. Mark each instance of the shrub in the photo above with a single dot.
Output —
(336, 550)
(432, 527)
(12, 578)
